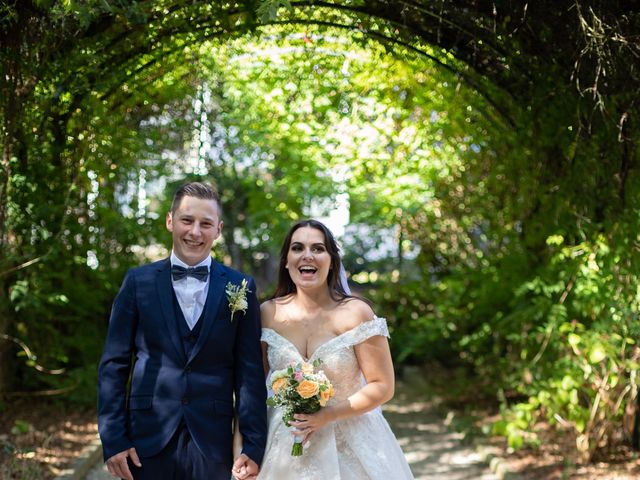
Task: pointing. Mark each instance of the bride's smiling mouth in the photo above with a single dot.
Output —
(307, 271)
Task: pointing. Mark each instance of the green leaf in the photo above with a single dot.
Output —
(21, 427)
(597, 353)
(268, 9)
(574, 340)
(515, 440)
(555, 240)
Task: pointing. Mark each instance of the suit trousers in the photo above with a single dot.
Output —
(181, 459)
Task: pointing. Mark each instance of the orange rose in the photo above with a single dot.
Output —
(307, 368)
(308, 388)
(325, 395)
(279, 384)
(323, 401)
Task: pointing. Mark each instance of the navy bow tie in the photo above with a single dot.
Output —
(201, 273)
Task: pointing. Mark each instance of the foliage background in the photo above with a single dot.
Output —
(488, 154)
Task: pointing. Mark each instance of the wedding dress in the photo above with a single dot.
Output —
(358, 448)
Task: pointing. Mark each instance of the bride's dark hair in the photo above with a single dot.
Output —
(285, 284)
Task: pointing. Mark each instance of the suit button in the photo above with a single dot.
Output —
(185, 401)
(188, 369)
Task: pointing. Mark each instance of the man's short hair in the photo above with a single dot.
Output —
(197, 190)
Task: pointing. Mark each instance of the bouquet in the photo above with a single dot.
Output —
(299, 388)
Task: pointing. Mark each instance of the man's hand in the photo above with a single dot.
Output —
(244, 468)
(118, 467)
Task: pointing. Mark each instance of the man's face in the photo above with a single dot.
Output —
(194, 226)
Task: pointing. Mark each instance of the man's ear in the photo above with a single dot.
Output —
(169, 222)
(220, 225)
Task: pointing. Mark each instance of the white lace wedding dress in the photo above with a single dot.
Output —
(358, 448)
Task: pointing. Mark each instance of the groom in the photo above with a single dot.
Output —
(179, 350)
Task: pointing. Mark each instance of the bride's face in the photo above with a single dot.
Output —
(308, 260)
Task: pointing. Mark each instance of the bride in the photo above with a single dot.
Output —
(312, 317)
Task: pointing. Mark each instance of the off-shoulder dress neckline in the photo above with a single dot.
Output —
(322, 345)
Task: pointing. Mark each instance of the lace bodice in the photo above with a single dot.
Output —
(360, 447)
(337, 354)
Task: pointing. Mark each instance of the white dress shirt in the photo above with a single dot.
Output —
(190, 292)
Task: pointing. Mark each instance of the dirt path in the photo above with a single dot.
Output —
(433, 451)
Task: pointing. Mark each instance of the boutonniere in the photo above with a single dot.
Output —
(237, 295)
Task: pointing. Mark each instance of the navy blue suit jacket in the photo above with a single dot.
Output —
(146, 383)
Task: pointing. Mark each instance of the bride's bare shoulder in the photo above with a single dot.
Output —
(354, 312)
(271, 309)
(267, 312)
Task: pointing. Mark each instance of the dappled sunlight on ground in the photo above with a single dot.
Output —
(38, 440)
(432, 450)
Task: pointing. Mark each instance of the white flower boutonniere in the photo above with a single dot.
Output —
(237, 295)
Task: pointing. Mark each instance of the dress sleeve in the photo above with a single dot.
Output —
(268, 336)
(366, 330)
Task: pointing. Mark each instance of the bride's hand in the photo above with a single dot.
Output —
(307, 424)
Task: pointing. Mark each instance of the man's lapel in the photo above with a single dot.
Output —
(217, 283)
(165, 293)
